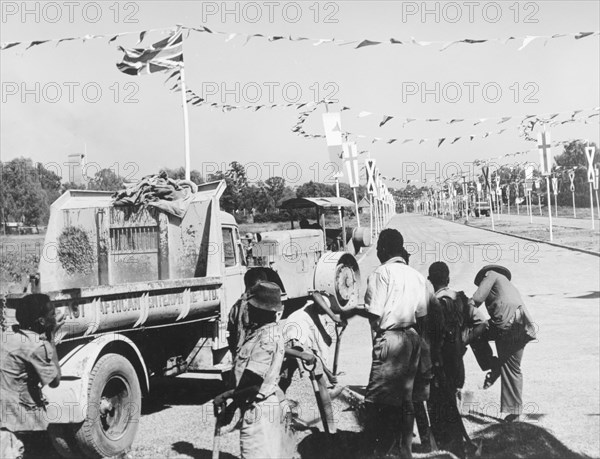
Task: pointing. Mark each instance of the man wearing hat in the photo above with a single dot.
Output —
(256, 370)
(511, 327)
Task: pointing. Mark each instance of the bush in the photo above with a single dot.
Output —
(268, 217)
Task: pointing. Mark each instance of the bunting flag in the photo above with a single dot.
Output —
(162, 56)
(359, 43)
(572, 117)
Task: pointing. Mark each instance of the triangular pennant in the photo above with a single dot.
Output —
(364, 43)
(386, 118)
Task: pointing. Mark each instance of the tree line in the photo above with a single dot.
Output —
(27, 189)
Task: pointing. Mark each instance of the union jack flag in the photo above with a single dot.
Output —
(164, 55)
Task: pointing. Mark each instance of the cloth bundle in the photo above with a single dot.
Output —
(160, 191)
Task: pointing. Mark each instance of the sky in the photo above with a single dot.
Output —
(70, 98)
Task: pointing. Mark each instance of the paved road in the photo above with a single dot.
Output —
(562, 291)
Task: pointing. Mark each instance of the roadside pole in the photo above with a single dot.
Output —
(530, 205)
(596, 180)
(550, 207)
(592, 205)
(544, 147)
(371, 214)
(185, 125)
(356, 205)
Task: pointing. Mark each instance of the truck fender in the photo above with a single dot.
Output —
(68, 402)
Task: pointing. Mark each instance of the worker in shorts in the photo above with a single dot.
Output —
(28, 362)
(256, 370)
(397, 297)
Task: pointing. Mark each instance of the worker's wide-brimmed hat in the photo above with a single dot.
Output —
(265, 295)
(497, 268)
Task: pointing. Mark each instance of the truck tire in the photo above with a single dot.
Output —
(63, 439)
(114, 404)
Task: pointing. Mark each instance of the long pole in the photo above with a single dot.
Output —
(556, 204)
(371, 214)
(550, 207)
(186, 128)
(540, 201)
(356, 204)
(598, 203)
(592, 205)
(573, 196)
(530, 206)
(491, 209)
(508, 197)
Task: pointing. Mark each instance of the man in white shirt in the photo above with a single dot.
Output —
(397, 296)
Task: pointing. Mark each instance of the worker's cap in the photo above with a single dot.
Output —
(265, 295)
(497, 268)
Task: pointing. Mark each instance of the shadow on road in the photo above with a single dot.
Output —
(500, 441)
(170, 392)
(184, 447)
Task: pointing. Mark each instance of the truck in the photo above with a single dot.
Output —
(147, 293)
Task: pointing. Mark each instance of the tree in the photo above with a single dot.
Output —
(574, 158)
(315, 189)
(26, 191)
(274, 188)
(106, 180)
(179, 174)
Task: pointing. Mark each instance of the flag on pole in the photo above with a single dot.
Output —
(164, 55)
(589, 153)
(486, 176)
(351, 160)
(370, 169)
(332, 123)
(545, 152)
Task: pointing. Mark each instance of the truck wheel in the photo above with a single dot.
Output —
(113, 412)
(63, 439)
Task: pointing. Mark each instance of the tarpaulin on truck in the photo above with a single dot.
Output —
(158, 190)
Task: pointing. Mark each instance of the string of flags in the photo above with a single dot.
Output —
(526, 125)
(535, 118)
(356, 44)
(482, 162)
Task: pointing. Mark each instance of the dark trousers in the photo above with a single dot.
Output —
(384, 429)
(509, 345)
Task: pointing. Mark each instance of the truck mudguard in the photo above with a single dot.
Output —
(68, 403)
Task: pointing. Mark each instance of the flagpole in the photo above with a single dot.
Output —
(550, 206)
(186, 128)
(356, 204)
(530, 206)
(592, 205)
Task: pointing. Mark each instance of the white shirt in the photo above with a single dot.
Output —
(397, 294)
